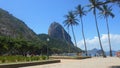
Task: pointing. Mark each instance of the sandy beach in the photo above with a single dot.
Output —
(96, 62)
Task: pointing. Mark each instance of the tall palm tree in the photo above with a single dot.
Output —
(71, 21)
(80, 11)
(93, 6)
(106, 12)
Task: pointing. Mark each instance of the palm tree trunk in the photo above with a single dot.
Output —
(84, 37)
(109, 36)
(98, 34)
(74, 36)
(68, 42)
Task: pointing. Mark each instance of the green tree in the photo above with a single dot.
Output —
(93, 6)
(106, 12)
(71, 21)
(81, 12)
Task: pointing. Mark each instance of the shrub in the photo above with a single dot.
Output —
(8, 59)
(44, 57)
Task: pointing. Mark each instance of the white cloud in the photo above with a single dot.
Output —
(94, 43)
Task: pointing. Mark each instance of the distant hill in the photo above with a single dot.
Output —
(95, 51)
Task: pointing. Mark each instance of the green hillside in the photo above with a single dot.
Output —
(13, 27)
(58, 45)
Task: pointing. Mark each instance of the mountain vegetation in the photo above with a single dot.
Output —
(58, 45)
(16, 38)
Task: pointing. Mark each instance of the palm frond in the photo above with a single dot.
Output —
(90, 9)
(70, 19)
(99, 8)
(80, 11)
(90, 0)
(94, 4)
(88, 5)
(112, 15)
(107, 11)
(101, 15)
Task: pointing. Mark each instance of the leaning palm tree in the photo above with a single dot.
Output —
(106, 12)
(71, 21)
(80, 11)
(93, 6)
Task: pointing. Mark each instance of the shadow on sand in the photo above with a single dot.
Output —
(114, 67)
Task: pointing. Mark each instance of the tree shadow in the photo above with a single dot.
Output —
(114, 67)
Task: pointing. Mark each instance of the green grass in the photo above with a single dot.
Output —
(12, 59)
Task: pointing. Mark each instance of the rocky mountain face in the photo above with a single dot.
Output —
(13, 27)
(58, 32)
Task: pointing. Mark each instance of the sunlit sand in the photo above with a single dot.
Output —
(96, 62)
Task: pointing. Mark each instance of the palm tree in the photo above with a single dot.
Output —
(70, 21)
(106, 12)
(110, 1)
(93, 6)
(80, 11)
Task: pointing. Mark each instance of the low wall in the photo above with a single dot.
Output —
(68, 57)
(24, 64)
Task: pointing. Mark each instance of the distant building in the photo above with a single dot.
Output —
(118, 54)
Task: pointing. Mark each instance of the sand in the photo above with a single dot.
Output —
(96, 62)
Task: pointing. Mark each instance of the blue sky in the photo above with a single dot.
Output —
(39, 14)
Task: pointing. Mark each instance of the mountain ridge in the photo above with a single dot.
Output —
(13, 27)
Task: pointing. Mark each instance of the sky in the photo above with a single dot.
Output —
(39, 14)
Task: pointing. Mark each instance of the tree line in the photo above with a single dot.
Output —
(16, 46)
(24, 47)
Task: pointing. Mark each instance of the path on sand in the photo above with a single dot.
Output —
(84, 63)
